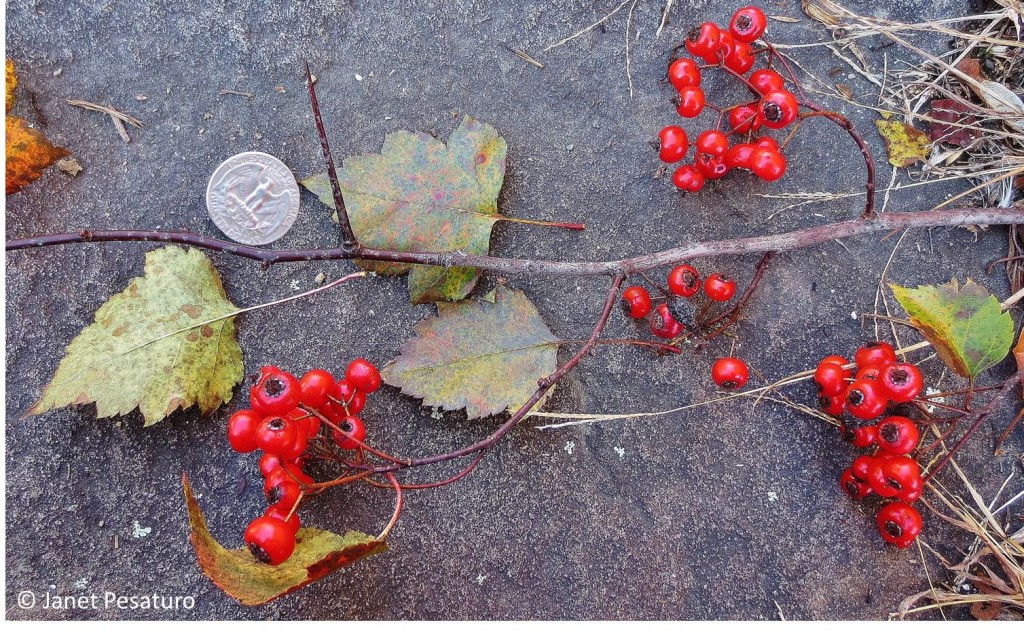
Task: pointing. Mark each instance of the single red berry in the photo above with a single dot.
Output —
(690, 102)
(719, 287)
(285, 471)
(899, 523)
(242, 430)
(748, 23)
(711, 167)
(744, 118)
(712, 142)
(865, 400)
(838, 359)
(730, 373)
(282, 491)
(663, 324)
(353, 432)
(275, 435)
(346, 400)
(767, 164)
(269, 462)
(688, 178)
(270, 540)
(704, 40)
(895, 476)
(683, 73)
(861, 437)
(853, 486)
(897, 435)
(741, 58)
(861, 467)
(684, 280)
(832, 405)
(767, 142)
(275, 393)
(279, 513)
(878, 354)
(363, 375)
(765, 81)
(738, 156)
(779, 109)
(902, 382)
(314, 387)
(831, 378)
(673, 144)
(636, 301)
(726, 45)
(871, 373)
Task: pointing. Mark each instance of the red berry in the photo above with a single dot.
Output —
(242, 430)
(837, 359)
(853, 486)
(704, 40)
(314, 387)
(711, 167)
(767, 164)
(719, 287)
(276, 392)
(353, 430)
(779, 109)
(636, 301)
(833, 405)
(363, 375)
(902, 382)
(684, 280)
(767, 142)
(683, 72)
(899, 524)
(712, 142)
(663, 324)
(269, 462)
(691, 102)
(830, 378)
(275, 435)
(281, 514)
(748, 23)
(864, 399)
(347, 399)
(861, 437)
(730, 373)
(868, 372)
(673, 144)
(282, 491)
(285, 472)
(895, 476)
(765, 81)
(270, 540)
(878, 354)
(726, 47)
(688, 178)
(738, 156)
(744, 118)
(897, 435)
(740, 58)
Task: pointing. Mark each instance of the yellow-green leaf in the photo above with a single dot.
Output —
(420, 195)
(904, 143)
(964, 324)
(317, 554)
(482, 355)
(162, 344)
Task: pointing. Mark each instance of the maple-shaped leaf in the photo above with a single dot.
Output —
(904, 143)
(965, 324)
(162, 344)
(317, 554)
(419, 195)
(482, 355)
(28, 150)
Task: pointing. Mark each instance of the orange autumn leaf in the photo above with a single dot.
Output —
(28, 150)
(1018, 353)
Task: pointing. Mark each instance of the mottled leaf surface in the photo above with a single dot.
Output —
(420, 195)
(317, 554)
(482, 355)
(904, 143)
(152, 346)
(964, 324)
(28, 150)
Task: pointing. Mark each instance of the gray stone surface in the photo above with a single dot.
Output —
(728, 511)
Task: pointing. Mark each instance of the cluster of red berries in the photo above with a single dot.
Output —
(286, 415)
(774, 107)
(880, 381)
(676, 314)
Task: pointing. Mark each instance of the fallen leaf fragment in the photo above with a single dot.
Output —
(70, 166)
(905, 144)
(949, 118)
(28, 150)
(1018, 354)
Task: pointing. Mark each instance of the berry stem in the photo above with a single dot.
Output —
(398, 507)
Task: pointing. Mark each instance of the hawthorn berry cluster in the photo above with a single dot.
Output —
(287, 418)
(880, 382)
(773, 107)
(670, 318)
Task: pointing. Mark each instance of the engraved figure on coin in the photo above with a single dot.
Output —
(260, 210)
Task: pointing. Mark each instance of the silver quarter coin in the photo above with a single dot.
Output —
(253, 198)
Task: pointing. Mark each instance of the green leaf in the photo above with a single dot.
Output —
(965, 325)
(159, 345)
(419, 195)
(485, 356)
(317, 554)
